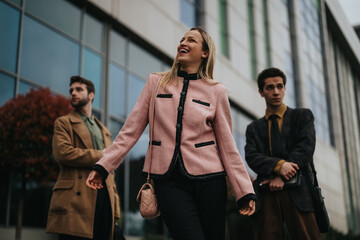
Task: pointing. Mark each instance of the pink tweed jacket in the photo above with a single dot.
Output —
(207, 145)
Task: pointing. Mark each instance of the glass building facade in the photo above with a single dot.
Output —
(347, 82)
(190, 12)
(314, 70)
(39, 47)
(289, 52)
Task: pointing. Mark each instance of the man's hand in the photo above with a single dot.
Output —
(248, 209)
(94, 180)
(288, 170)
(275, 184)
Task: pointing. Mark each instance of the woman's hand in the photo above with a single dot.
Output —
(248, 209)
(94, 180)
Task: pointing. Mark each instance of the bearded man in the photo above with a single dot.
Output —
(76, 211)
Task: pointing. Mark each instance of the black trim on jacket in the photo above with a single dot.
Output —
(164, 95)
(201, 102)
(156, 143)
(245, 200)
(176, 156)
(100, 169)
(203, 144)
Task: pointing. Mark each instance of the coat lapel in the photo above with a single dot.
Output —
(285, 131)
(81, 130)
(264, 133)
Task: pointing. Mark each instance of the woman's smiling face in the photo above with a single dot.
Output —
(190, 50)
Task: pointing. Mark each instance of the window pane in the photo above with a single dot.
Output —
(16, 2)
(136, 86)
(7, 88)
(48, 58)
(115, 127)
(52, 12)
(117, 48)
(93, 33)
(187, 13)
(142, 62)
(290, 96)
(9, 32)
(92, 71)
(25, 87)
(116, 96)
(252, 37)
(223, 28)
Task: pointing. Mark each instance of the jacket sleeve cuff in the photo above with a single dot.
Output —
(245, 200)
(278, 166)
(100, 169)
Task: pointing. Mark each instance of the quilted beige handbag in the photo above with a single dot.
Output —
(148, 203)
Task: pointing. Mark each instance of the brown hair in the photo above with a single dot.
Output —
(89, 84)
(268, 73)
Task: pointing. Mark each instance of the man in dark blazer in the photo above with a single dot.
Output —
(279, 148)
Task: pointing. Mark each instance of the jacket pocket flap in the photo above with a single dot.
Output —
(201, 102)
(164, 95)
(63, 184)
(203, 144)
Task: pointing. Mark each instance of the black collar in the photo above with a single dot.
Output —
(185, 75)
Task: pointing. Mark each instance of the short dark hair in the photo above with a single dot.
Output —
(89, 85)
(268, 73)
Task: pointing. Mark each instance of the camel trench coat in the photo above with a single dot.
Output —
(72, 206)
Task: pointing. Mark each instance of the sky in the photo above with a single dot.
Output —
(352, 10)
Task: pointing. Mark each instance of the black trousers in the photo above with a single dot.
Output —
(192, 210)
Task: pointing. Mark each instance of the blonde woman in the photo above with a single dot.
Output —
(192, 148)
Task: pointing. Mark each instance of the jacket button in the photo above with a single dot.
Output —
(180, 109)
(79, 177)
(78, 193)
(182, 93)
(178, 125)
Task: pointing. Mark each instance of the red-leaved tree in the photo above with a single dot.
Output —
(26, 130)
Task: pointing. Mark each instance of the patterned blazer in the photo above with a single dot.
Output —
(298, 137)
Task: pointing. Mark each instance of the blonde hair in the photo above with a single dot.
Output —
(206, 68)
